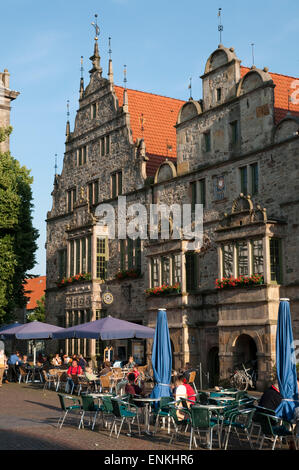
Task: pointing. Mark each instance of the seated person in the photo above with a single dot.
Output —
(187, 371)
(106, 368)
(82, 362)
(131, 364)
(74, 369)
(190, 392)
(24, 361)
(46, 364)
(117, 362)
(132, 388)
(180, 391)
(271, 397)
(66, 359)
(56, 361)
(90, 376)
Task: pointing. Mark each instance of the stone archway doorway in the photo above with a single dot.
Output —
(245, 352)
(213, 366)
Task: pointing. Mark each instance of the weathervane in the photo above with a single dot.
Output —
(220, 26)
(96, 27)
(81, 68)
(110, 51)
(68, 109)
(190, 87)
(252, 46)
(55, 167)
(125, 77)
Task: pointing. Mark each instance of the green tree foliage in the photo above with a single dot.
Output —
(39, 313)
(17, 234)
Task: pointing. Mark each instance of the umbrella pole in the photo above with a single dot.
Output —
(34, 353)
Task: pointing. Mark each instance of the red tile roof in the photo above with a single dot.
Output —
(34, 290)
(282, 92)
(159, 115)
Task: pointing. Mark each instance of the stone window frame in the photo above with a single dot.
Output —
(93, 110)
(207, 147)
(71, 198)
(198, 193)
(173, 277)
(252, 178)
(102, 257)
(117, 187)
(234, 127)
(236, 272)
(93, 191)
(130, 254)
(82, 158)
(83, 263)
(62, 263)
(105, 145)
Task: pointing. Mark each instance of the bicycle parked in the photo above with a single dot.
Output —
(242, 379)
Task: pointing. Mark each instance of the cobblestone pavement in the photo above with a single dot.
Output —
(29, 416)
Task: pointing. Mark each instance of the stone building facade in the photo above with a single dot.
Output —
(6, 97)
(235, 151)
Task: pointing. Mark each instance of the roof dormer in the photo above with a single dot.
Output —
(222, 73)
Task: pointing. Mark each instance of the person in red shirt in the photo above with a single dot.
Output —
(190, 391)
(74, 369)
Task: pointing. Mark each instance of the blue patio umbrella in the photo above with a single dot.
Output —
(106, 329)
(32, 330)
(161, 357)
(286, 363)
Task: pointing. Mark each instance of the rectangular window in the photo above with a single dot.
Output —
(254, 178)
(78, 256)
(177, 269)
(107, 149)
(202, 192)
(102, 143)
(275, 260)
(219, 94)
(72, 258)
(93, 111)
(122, 250)
(242, 259)
(191, 272)
(89, 254)
(81, 159)
(257, 257)
(93, 192)
(234, 132)
(228, 260)
(130, 248)
(116, 184)
(155, 272)
(71, 199)
(207, 137)
(83, 256)
(137, 253)
(62, 263)
(243, 179)
(165, 264)
(102, 257)
(198, 193)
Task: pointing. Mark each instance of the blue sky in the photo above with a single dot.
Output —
(163, 43)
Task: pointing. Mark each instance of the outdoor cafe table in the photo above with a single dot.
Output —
(147, 402)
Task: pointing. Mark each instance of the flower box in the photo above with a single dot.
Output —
(128, 274)
(77, 278)
(165, 289)
(241, 281)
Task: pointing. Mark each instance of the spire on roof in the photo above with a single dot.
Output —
(125, 99)
(68, 129)
(110, 68)
(82, 78)
(95, 58)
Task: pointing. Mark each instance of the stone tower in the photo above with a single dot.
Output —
(6, 96)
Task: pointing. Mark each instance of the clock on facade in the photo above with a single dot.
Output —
(108, 298)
